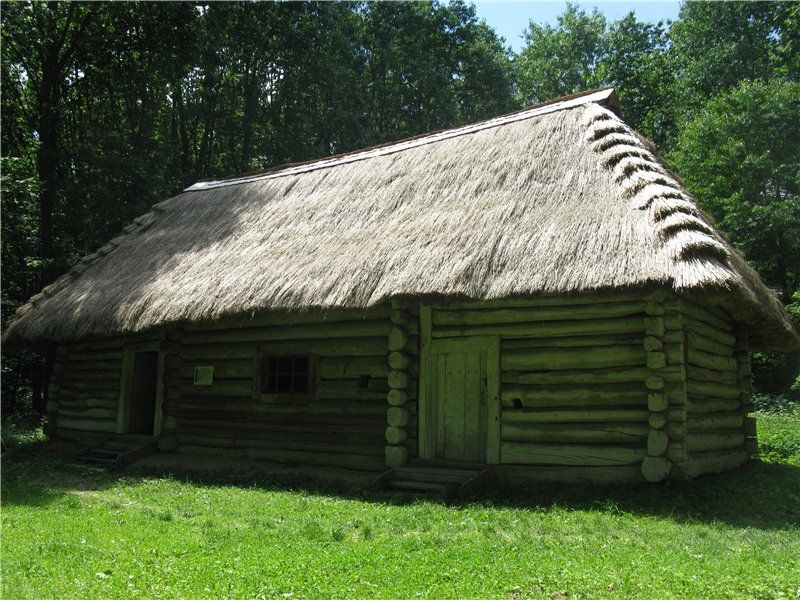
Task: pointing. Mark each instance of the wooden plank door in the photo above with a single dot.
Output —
(459, 412)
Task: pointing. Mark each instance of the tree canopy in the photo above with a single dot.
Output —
(109, 107)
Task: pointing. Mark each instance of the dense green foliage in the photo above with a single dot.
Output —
(110, 107)
(77, 533)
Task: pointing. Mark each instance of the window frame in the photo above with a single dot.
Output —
(285, 398)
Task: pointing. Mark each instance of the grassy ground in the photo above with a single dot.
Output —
(69, 531)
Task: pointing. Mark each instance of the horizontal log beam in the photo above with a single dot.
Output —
(632, 339)
(723, 337)
(574, 416)
(712, 389)
(707, 463)
(712, 421)
(87, 424)
(321, 331)
(547, 329)
(559, 359)
(568, 454)
(696, 405)
(282, 318)
(706, 442)
(700, 374)
(546, 396)
(223, 369)
(591, 376)
(599, 433)
(488, 316)
(701, 342)
(348, 367)
(709, 316)
(710, 361)
(348, 347)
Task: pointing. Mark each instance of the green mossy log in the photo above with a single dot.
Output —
(702, 405)
(657, 441)
(561, 359)
(699, 358)
(592, 376)
(716, 421)
(397, 397)
(398, 337)
(513, 396)
(321, 331)
(700, 374)
(536, 314)
(600, 433)
(88, 424)
(349, 367)
(574, 416)
(398, 380)
(717, 321)
(89, 413)
(709, 331)
(397, 416)
(715, 390)
(706, 463)
(633, 339)
(396, 435)
(396, 456)
(700, 342)
(708, 441)
(223, 369)
(345, 347)
(399, 360)
(547, 329)
(569, 454)
(656, 468)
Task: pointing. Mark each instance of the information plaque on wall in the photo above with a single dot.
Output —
(203, 375)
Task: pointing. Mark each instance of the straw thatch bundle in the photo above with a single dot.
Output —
(558, 199)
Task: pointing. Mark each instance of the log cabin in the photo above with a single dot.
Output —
(535, 295)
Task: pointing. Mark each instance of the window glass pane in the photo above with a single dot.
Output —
(284, 384)
(301, 364)
(265, 373)
(285, 374)
(301, 382)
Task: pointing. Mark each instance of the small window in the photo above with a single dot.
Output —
(285, 375)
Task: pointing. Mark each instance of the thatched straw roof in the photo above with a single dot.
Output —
(559, 198)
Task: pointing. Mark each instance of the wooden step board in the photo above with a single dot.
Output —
(434, 480)
(118, 451)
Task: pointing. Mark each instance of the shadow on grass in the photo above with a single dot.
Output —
(759, 495)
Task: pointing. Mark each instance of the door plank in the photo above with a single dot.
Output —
(471, 417)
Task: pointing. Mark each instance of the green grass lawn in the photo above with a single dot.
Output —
(69, 532)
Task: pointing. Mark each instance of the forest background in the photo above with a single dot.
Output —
(108, 108)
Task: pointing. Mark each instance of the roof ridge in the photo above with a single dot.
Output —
(601, 95)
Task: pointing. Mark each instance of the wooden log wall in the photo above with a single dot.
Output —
(344, 424)
(171, 351)
(403, 379)
(84, 388)
(574, 382)
(666, 388)
(719, 432)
